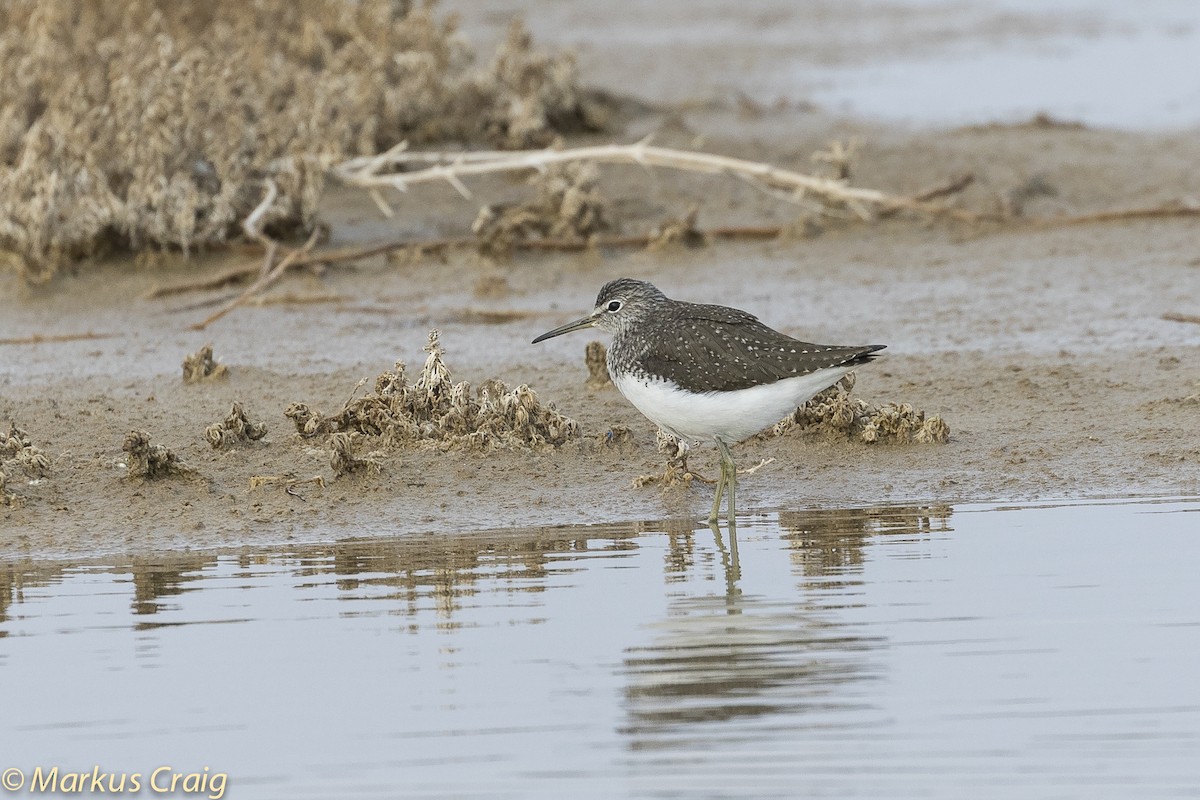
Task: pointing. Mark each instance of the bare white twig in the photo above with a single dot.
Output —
(756, 467)
(381, 203)
(252, 225)
(390, 169)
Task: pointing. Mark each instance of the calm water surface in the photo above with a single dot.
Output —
(972, 651)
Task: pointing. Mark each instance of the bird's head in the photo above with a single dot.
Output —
(620, 304)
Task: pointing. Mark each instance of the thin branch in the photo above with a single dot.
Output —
(218, 281)
(1172, 316)
(52, 338)
(1149, 212)
(945, 189)
(261, 283)
(952, 186)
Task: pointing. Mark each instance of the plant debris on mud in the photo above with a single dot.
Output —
(236, 428)
(7, 498)
(201, 366)
(677, 471)
(344, 461)
(150, 461)
(18, 451)
(435, 412)
(156, 124)
(836, 411)
(567, 206)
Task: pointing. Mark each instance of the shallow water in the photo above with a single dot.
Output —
(976, 651)
(1105, 63)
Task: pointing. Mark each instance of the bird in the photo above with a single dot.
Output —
(708, 372)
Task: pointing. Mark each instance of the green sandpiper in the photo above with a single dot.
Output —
(707, 372)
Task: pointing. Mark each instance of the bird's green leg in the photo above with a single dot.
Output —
(716, 509)
(732, 480)
(727, 481)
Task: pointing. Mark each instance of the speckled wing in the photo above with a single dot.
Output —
(714, 348)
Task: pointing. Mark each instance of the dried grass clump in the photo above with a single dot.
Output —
(835, 411)
(568, 206)
(308, 422)
(150, 461)
(7, 498)
(903, 423)
(436, 412)
(151, 123)
(17, 450)
(201, 366)
(13, 442)
(235, 429)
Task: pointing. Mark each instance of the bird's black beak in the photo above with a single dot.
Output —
(578, 324)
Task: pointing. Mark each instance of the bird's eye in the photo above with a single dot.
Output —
(615, 305)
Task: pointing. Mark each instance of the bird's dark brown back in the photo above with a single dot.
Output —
(714, 348)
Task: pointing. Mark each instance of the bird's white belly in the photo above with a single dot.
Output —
(733, 415)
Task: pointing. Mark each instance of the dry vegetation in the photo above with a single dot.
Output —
(236, 428)
(17, 452)
(149, 461)
(435, 412)
(8, 498)
(201, 366)
(150, 123)
(344, 461)
(567, 205)
(836, 411)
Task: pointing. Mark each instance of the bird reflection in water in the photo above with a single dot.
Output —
(721, 658)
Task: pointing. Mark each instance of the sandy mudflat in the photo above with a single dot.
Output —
(1044, 348)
